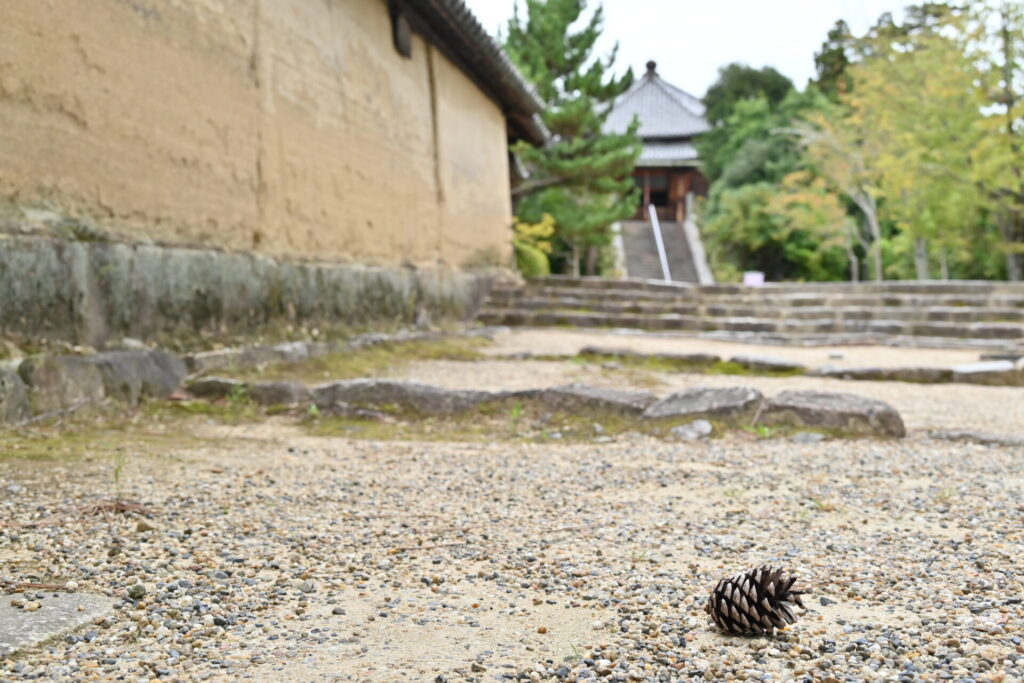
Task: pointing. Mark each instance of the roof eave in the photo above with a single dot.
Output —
(460, 35)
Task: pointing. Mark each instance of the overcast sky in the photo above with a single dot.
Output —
(691, 39)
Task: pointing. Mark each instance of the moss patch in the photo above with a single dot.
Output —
(504, 420)
(370, 361)
(669, 364)
(93, 432)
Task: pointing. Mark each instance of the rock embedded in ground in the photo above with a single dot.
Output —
(55, 616)
(807, 437)
(279, 393)
(843, 413)
(13, 397)
(57, 382)
(215, 387)
(767, 364)
(691, 431)
(976, 437)
(130, 375)
(729, 402)
(995, 372)
(920, 375)
(581, 397)
(384, 393)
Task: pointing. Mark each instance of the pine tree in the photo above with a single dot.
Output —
(583, 176)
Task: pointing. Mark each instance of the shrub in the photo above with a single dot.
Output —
(532, 262)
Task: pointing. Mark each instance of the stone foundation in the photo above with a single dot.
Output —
(92, 292)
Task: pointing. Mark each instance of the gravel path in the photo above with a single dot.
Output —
(279, 556)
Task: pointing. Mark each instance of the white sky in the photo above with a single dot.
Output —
(691, 39)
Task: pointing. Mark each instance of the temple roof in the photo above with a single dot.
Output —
(669, 119)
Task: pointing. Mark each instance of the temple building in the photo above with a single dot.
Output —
(668, 172)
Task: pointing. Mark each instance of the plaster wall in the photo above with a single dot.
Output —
(284, 127)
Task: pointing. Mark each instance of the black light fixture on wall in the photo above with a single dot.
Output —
(401, 31)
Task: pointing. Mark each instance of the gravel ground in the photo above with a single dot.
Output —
(566, 341)
(279, 556)
(273, 555)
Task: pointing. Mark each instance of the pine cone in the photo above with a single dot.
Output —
(754, 603)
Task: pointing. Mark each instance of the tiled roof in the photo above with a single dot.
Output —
(667, 153)
(480, 54)
(664, 110)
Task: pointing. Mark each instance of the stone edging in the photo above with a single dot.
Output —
(45, 386)
(369, 398)
(999, 372)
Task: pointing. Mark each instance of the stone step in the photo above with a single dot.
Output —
(762, 310)
(931, 288)
(1006, 308)
(676, 321)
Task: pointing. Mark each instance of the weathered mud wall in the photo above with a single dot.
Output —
(95, 292)
(288, 127)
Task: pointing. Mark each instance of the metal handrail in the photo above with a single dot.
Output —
(656, 226)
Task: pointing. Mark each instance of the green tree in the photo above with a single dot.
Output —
(998, 160)
(583, 176)
(738, 82)
(750, 160)
(833, 61)
(736, 105)
(915, 97)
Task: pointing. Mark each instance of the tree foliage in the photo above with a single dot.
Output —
(913, 168)
(583, 176)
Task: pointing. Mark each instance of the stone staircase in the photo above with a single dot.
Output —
(940, 314)
(642, 252)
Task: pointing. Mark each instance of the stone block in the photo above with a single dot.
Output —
(731, 402)
(214, 387)
(920, 375)
(843, 413)
(131, 375)
(57, 615)
(13, 397)
(994, 372)
(384, 393)
(768, 364)
(57, 382)
(581, 397)
(279, 393)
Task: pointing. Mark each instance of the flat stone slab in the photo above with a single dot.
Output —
(584, 396)
(13, 397)
(768, 363)
(214, 387)
(279, 393)
(57, 614)
(382, 393)
(984, 438)
(994, 372)
(845, 413)
(920, 375)
(706, 401)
